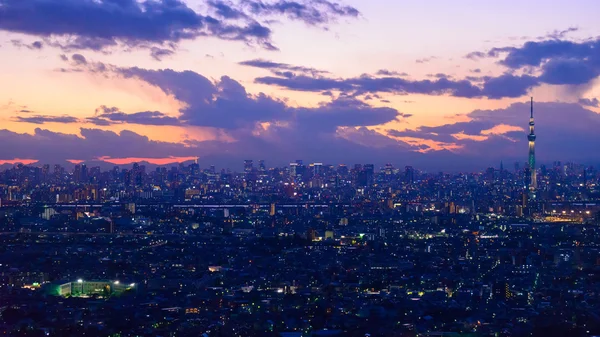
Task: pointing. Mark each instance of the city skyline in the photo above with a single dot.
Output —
(223, 81)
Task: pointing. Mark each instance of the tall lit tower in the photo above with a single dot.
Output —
(531, 137)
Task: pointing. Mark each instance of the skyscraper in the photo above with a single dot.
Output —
(248, 166)
(531, 137)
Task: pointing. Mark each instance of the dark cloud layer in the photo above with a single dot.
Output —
(493, 87)
(152, 24)
(107, 116)
(554, 62)
(559, 62)
(42, 119)
(52, 147)
(282, 69)
(314, 12)
(226, 104)
(490, 136)
(96, 24)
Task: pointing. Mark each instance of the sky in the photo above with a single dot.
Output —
(439, 85)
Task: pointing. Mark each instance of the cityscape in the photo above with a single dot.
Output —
(299, 168)
(301, 250)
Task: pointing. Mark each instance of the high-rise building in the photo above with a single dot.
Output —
(77, 173)
(318, 168)
(369, 171)
(248, 165)
(293, 169)
(531, 137)
(409, 174)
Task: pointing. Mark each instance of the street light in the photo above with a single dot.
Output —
(132, 285)
(116, 282)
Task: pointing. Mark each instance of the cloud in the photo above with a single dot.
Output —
(348, 112)
(425, 59)
(535, 63)
(224, 103)
(559, 34)
(552, 61)
(225, 10)
(98, 24)
(257, 125)
(493, 87)
(568, 71)
(110, 116)
(385, 72)
(475, 55)
(282, 68)
(159, 53)
(36, 45)
(78, 59)
(561, 128)
(593, 102)
(508, 86)
(311, 12)
(487, 138)
(278, 146)
(42, 119)
(53, 147)
(439, 75)
(153, 24)
(104, 116)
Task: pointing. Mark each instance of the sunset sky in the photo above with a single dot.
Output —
(436, 84)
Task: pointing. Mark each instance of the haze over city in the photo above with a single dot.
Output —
(439, 85)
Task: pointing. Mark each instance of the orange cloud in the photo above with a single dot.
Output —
(18, 161)
(155, 161)
(428, 145)
(462, 135)
(501, 129)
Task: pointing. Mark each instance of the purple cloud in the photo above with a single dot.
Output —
(312, 12)
(42, 119)
(97, 24)
(593, 102)
(158, 53)
(561, 129)
(33, 46)
(226, 104)
(109, 116)
(78, 59)
(153, 24)
(282, 69)
(493, 87)
(385, 72)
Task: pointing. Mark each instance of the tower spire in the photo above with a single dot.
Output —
(532, 169)
(531, 107)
